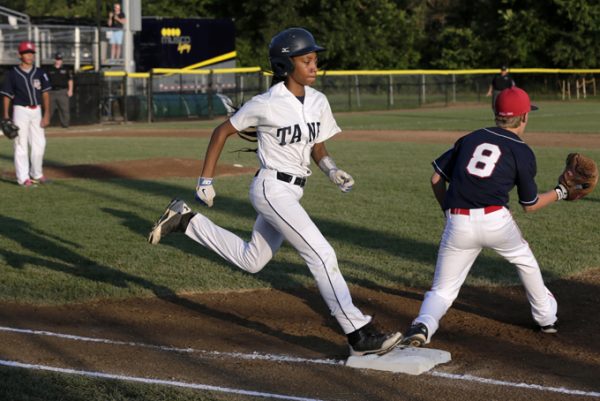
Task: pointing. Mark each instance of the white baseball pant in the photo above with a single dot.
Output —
(31, 134)
(280, 216)
(463, 239)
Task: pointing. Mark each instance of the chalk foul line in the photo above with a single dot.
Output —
(172, 383)
(291, 359)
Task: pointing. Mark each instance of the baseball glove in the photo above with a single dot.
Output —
(579, 177)
(10, 130)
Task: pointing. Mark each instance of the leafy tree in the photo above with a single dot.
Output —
(386, 34)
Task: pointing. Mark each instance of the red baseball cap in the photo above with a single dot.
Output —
(26, 47)
(513, 102)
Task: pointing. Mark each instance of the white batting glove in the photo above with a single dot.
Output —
(205, 193)
(343, 180)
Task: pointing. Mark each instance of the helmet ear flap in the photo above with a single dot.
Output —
(282, 66)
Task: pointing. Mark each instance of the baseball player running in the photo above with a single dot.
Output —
(27, 87)
(292, 120)
(481, 169)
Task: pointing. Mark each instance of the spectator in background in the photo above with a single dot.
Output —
(61, 79)
(499, 83)
(116, 19)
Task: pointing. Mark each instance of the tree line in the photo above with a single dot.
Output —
(391, 34)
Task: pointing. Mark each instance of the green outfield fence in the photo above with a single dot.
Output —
(164, 94)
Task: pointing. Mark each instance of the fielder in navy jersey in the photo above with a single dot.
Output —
(27, 86)
(481, 169)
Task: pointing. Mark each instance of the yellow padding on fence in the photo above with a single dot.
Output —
(205, 72)
(213, 60)
(353, 72)
(460, 72)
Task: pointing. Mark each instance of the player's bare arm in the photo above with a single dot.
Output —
(205, 193)
(6, 104)
(319, 151)
(217, 142)
(543, 200)
(438, 186)
(46, 109)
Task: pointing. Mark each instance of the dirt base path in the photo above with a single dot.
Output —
(488, 331)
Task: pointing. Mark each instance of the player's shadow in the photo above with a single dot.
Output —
(50, 252)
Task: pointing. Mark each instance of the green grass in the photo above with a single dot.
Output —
(566, 117)
(78, 239)
(554, 116)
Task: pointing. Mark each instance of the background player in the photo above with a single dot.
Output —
(61, 79)
(27, 87)
(292, 120)
(499, 83)
(482, 168)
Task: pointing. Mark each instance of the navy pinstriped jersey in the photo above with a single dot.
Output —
(25, 88)
(484, 166)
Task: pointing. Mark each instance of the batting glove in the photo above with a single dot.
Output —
(343, 180)
(205, 193)
(561, 192)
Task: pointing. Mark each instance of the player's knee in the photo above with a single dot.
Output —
(253, 268)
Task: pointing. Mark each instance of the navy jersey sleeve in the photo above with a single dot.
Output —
(444, 165)
(45, 82)
(526, 171)
(7, 86)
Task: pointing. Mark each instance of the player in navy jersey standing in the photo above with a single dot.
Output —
(481, 169)
(292, 122)
(27, 88)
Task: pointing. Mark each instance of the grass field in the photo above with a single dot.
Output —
(77, 240)
(572, 116)
(83, 239)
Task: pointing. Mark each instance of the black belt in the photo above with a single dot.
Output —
(301, 182)
(291, 179)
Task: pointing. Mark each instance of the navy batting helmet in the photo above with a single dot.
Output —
(289, 43)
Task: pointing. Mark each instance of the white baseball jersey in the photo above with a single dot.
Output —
(286, 128)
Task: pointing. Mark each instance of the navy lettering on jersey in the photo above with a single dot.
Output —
(484, 166)
(297, 136)
(296, 133)
(281, 134)
(313, 131)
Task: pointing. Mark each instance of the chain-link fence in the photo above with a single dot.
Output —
(166, 94)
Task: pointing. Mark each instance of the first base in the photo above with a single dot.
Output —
(410, 360)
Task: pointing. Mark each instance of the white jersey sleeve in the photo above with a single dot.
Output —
(251, 114)
(329, 126)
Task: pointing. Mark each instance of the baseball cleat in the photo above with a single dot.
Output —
(368, 340)
(175, 218)
(42, 180)
(416, 335)
(550, 329)
(29, 184)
